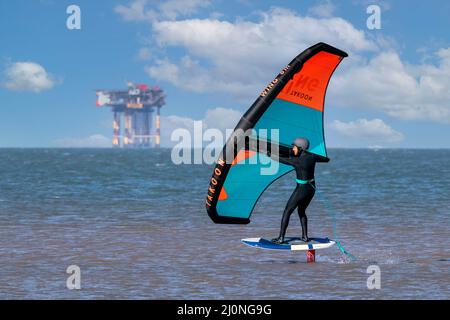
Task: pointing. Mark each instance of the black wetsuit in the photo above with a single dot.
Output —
(304, 165)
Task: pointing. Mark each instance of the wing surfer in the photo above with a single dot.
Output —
(304, 163)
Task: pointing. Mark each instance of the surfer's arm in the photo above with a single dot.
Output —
(321, 158)
(279, 158)
(285, 160)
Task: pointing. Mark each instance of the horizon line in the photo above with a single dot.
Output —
(165, 148)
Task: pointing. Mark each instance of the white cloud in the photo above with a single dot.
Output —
(222, 118)
(371, 131)
(174, 8)
(93, 141)
(407, 92)
(134, 12)
(324, 10)
(27, 76)
(279, 28)
(241, 57)
(138, 10)
(144, 54)
(188, 74)
(217, 118)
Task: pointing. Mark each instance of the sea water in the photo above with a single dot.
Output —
(136, 226)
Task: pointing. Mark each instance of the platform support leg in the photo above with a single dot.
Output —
(311, 256)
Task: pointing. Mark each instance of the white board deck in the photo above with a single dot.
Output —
(293, 244)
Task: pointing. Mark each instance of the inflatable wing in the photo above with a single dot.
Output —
(293, 103)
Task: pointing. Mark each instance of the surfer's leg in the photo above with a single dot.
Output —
(303, 221)
(290, 207)
(301, 209)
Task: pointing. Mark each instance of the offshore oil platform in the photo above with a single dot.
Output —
(136, 107)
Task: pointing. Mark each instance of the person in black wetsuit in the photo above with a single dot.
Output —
(304, 163)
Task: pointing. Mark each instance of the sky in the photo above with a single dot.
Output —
(213, 57)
